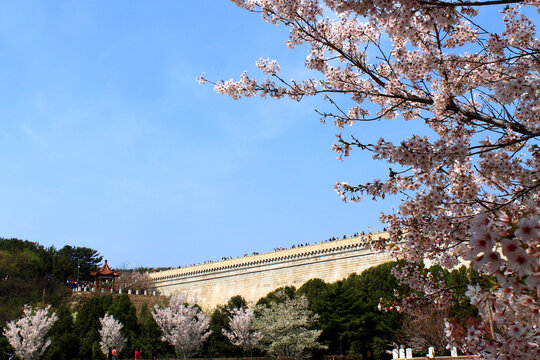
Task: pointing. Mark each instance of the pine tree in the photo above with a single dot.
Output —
(65, 343)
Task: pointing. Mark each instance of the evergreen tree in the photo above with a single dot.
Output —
(150, 335)
(217, 344)
(87, 325)
(371, 331)
(83, 260)
(312, 289)
(65, 343)
(457, 280)
(348, 315)
(277, 295)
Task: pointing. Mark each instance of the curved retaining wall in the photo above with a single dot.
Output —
(255, 276)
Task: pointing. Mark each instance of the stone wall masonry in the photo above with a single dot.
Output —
(254, 276)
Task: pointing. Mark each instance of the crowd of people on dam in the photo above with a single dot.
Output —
(356, 234)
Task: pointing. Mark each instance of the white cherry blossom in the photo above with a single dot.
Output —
(183, 324)
(27, 334)
(111, 335)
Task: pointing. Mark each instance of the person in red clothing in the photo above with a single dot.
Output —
(114, 353)
(137, 354)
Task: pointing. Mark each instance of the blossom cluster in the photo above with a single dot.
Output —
(110, 334)
(183, 324)
(134, 280)
(507, 250)
(426, 292)
(27, 334)
(242, 333)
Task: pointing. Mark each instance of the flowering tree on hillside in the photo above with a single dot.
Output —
(285, 326)
(471, 190)
(242, 333)
(111, 335)
(183, 324)
(134, 280)
(27, 334)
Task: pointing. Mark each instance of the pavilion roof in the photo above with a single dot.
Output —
(104, 271)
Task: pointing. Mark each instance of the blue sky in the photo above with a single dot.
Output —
(108, 141)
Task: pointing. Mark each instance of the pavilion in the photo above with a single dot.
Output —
(104, 275)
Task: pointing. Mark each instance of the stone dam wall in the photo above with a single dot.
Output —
(254, 276)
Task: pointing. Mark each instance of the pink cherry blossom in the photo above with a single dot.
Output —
(529, 229)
